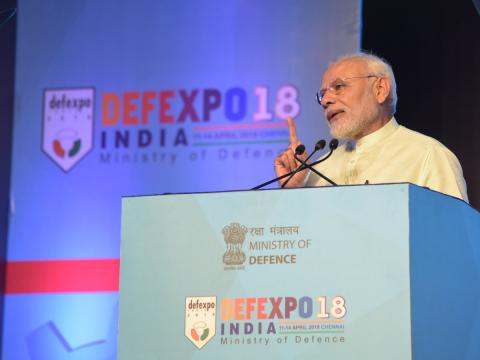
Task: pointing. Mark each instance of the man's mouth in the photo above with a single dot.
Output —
(333, 115)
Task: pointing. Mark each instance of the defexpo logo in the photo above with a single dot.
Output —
(257, 246)
(167, 126)
(200, 315)
(68, 116)
(267, 320)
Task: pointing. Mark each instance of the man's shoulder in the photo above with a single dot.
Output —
(417, 140)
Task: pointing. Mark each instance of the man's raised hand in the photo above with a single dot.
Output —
(286, 162)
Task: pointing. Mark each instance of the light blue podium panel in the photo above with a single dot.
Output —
(355, 272)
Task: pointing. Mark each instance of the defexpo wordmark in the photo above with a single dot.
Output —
(131, 116)
(149, 126)
(170, 106)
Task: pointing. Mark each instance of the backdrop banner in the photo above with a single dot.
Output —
(115, 98)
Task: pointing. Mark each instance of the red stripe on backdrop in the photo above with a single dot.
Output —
(60, 276)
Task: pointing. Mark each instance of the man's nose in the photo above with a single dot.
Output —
(327, 99)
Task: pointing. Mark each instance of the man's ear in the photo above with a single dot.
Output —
(381, 89)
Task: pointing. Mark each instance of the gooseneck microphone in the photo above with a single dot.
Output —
(299, 150)
(333, 145)
(303, 166)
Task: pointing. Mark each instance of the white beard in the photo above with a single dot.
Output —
(353, 126)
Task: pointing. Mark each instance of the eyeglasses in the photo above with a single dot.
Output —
(339, 86)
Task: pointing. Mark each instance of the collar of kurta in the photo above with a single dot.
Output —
(374, 138)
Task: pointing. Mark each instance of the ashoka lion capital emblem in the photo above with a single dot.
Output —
(234, 236)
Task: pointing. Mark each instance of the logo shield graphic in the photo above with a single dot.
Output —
(68, 125)
(200, 314)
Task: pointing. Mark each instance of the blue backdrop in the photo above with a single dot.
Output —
(118, 98)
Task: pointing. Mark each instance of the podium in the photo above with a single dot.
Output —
(350, 272)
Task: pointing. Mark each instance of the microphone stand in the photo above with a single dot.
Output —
(333, 145)
(315, 170)
(300, 149)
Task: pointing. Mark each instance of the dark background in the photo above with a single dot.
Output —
(434, 49)
(7, 66)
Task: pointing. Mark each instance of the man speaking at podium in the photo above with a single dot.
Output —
(358, 95)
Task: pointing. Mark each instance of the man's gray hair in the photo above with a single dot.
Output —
(377, 66)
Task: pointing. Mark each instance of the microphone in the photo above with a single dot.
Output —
(299, 150)
(333, 145)
(318, 146)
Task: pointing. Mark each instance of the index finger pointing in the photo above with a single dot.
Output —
(292, 130)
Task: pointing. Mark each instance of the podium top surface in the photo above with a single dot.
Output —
(342, 188)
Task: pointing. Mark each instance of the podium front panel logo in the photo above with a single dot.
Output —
(68, 125)
(200, 314)
(234, 237)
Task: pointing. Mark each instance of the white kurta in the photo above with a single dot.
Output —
(394, 154)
